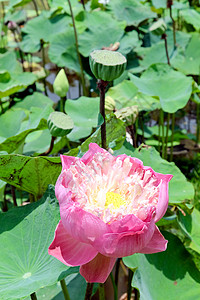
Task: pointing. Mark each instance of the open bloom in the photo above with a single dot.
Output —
(108, 207)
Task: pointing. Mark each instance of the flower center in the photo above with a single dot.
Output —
(115, 199)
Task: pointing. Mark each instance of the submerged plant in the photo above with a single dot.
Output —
(108, 206)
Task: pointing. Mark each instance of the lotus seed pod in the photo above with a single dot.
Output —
(61, 84)
(59, 124)
(107, 65)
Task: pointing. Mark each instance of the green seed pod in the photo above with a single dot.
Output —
(159, 27)
(107, 65)
(61, 84)
(59, 124)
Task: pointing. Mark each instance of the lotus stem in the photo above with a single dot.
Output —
(62, 104)
(33, 296)
(43, 64)
(88, 293)
(169, 5)
(78, 54)
(129, 288)
(36, 8)
(198, 123)
(13, 195)
(101, 291)
(164, 37)
(64, 289)
(102, 88)
(167, 133)
(117, 266)
(172, 139)
(159, 134)
(163, 132)
(53, 138)
(114, 287)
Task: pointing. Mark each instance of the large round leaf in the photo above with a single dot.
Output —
(179, 188)
(172, 87)
(126, 94)
(188, 61)
(167, 275)
(132, 11)
(26, 233)
(97, 36)
(62, 50)
(31, 174)
(84, 112)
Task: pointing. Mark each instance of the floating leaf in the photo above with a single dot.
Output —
(167, 274)
(97, 36)
(180, 189)
(26, 233)
(31, 174)
(172, 87)
(132, 11)
(191, 226)
(191, 16)
(126, 94)
(84, 112)
(188, 61)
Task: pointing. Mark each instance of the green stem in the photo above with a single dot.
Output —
(164, 37)
(174, 26)
(114, 287)
(172, 139)
(36, 8)
(101, 291)
(62, 104)
(33, 296)
(167, 133)
(88, 293)
(13, 195)
(64, 289)
(102, 88)
(159, 135)
(117, 266)
(129, 288)
(43, 64)
(53, 138)
(78, 54)
(198, 122)
(163, 132)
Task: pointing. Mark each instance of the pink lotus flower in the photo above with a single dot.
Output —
(108, 207)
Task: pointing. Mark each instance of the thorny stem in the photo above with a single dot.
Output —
(33, 296)
(172, 139)
(114, 287)
(62, 104)
(164, 37)
(53, 138)
(64, 289)
(102, 88)
(78, 54)
(13, 195)
(88, 293)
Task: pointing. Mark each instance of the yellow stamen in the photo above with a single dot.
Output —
(115, 199)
